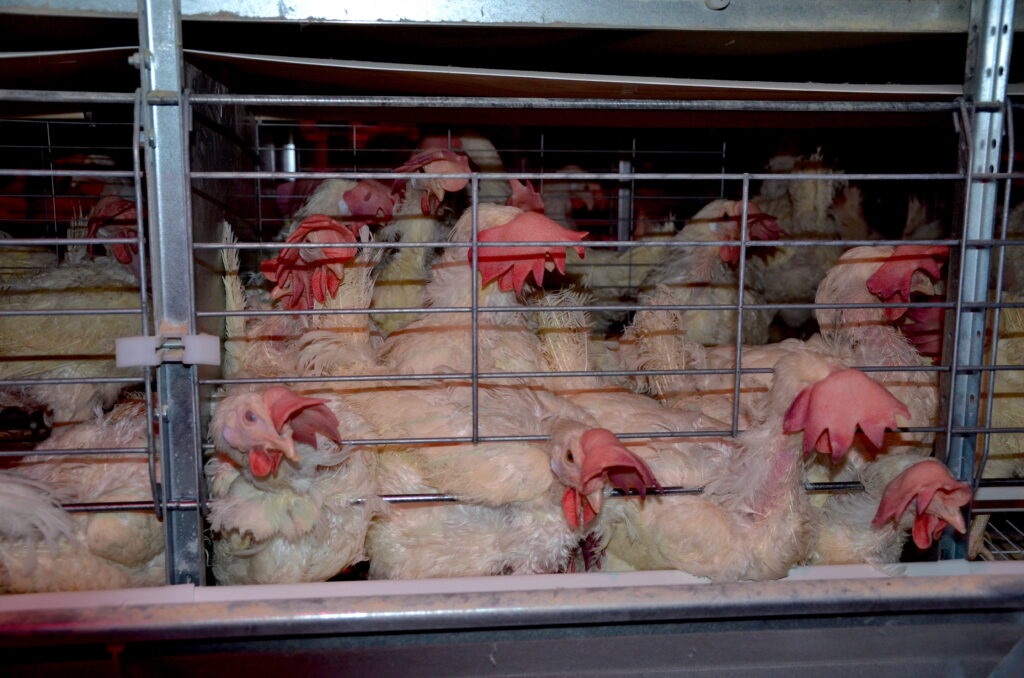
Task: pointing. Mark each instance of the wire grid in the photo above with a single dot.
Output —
(289, 146)
(277, 168)
(1004, 538)
(666, 178)
(53, 172)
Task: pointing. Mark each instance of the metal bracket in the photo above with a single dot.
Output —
(189, 349)
(989, 40)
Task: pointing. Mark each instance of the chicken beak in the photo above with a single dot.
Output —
(951, 514)
(922, 284)
(283, 444)
(596, 499)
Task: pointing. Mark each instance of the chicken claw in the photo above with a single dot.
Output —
(513, 265)
(939, 498)
(830, 411)
(893, 280)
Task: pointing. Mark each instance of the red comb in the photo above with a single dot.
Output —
(892, 281)
(525, 197)
(925, 330)
(307, 416)
(513, 265)
(438, 161)
(114, 210)
(603, 453)
(939, 497)
(830, 411)
(760, 226)
(303, 275)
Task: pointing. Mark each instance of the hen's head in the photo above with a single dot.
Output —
(935, 496)
(720, 220)
(116, 217)
(308, 274)
(512, 265)
(863, 275)
(257, 430)
(369, 200)
(437, 161)
(585, 461)
(909, 269)
(760, 226)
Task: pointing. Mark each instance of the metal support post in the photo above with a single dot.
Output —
(166, 127)
(988, 60)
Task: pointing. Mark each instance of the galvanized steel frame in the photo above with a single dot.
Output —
(989, 42)
(166, 128)
(880, 16)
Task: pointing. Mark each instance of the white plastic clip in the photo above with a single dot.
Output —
(201, 349)
(190, 349)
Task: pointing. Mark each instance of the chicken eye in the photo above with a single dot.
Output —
(568, 456)
(250, 416)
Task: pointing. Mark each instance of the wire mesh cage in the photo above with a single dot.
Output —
(74, 258)
(343, 228)
(625, 194)
(790, 200)
(628, 191)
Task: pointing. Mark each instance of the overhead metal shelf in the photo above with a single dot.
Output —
(876, 16)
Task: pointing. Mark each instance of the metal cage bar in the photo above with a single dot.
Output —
(990, 37)
(167, 134)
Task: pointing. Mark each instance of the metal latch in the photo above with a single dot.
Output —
(189, 349)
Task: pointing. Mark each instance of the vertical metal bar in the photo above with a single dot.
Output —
(474, 188)
(138, 137)
(997, 312)
(721, 183)
(53, 192)
(170, 217)
(741, 283)
(625, 211)
(267, 162)
(989, 39)
(990, 389)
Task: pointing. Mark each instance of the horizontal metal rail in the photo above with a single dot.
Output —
(447, 102)
(597, 244)
(741, 105)
(431, 498)
(48, 242)
(81, 173)
(593, 307)
(67, 97)
(69, 380)
(87, 451)
(595, 176)
(74, 311)
(465, 376)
